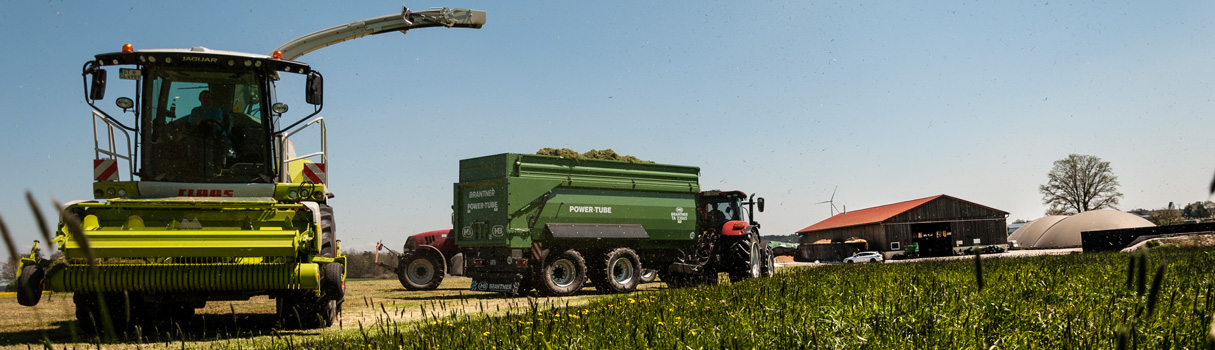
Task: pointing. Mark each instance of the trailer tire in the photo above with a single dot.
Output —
(562, 273)
(29, 285)
(621, 270)
(420, 271)
(648, 275)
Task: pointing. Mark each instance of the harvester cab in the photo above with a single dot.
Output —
(198, 192)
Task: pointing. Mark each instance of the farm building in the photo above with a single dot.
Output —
(1059, 231)
(939, 225)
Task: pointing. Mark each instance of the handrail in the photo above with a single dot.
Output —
(284, 174)
(111, 144)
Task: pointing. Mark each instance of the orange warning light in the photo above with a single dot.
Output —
(278, 55)
(128, 48)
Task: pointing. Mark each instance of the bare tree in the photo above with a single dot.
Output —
(1080, 183)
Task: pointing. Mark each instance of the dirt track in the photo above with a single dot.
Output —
(368, 302)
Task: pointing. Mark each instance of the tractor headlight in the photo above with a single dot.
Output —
(292, 194)
(111, 191)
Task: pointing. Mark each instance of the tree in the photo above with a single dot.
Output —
(1164, 217)
(8, 274)
(1080, 183)
(1197, 210)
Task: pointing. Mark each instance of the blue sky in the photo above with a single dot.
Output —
(889, 101)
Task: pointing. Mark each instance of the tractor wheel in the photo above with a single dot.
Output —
(29, 285)
(749, 262)
(420, 271)
(562, 273)
(621, 269)
(648, 275)
(769, 268)
(304, 310)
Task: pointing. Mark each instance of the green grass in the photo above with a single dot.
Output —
(1071, 301)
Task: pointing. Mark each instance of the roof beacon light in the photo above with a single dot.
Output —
(278, 55)
(128, 48)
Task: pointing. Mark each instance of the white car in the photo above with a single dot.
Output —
(861, 257)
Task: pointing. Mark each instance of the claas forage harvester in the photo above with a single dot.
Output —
(215, 204)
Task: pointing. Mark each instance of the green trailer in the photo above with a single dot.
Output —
(527, 221)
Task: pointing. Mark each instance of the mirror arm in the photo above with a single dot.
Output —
(89, 67)
(318, 111)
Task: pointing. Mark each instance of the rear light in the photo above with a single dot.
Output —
(478, 262)
(521, 263)
(739, 226)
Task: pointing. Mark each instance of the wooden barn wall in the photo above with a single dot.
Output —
(988, 232)
(897, 233)
(947, 209)
(967, 222)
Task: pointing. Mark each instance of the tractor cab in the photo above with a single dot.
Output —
(200, 116)
(717, 208)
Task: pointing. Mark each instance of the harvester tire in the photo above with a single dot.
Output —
(420, 271)
(621, 270)
(118, 306)
(562, 273)
(332, 287)
(29, 285)
(304, 310)
(648, 275)
(749, 260)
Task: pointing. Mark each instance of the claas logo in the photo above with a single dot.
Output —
(202, 192)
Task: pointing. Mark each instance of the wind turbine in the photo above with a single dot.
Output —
(831, 201)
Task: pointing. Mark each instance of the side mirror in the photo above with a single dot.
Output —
(759, 204)
(97, 90)
(315, 89)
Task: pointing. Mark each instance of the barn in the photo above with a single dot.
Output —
(939, 225)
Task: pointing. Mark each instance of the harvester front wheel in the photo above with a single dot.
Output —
(420, 271)
(562, 273)
(118, 308)
(621, 270)
(304, 310)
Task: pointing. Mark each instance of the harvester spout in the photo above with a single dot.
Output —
(406, 20)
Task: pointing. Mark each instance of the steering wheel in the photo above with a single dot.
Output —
(209, 127)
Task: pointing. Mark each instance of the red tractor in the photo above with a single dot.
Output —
(425, 259)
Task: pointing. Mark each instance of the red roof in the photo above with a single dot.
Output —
(867, 216)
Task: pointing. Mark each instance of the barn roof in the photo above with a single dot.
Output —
(874, 215)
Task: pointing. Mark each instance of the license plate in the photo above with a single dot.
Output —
(128, 74)
(502, 287)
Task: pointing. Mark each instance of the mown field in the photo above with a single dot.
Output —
(1069, 301)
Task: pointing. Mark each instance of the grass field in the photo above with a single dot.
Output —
(1070, 301)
